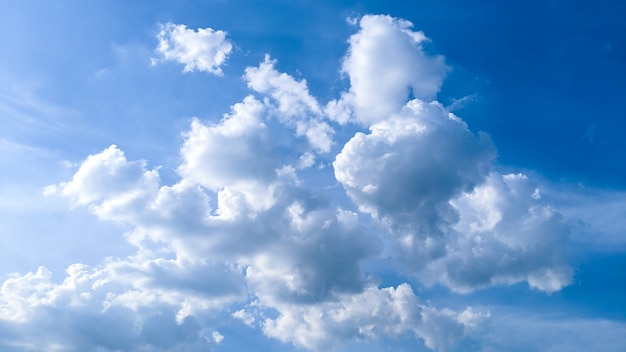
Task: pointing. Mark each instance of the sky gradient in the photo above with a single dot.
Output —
(313, 176)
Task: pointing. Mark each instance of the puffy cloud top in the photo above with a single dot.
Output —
(386, 65)
(292, 103)
(204, 49)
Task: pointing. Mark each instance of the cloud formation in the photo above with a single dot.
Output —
(292, 102)
(386, 65)
(425, 176)
(238, 235)
(204, 49)
(422, 173)
(506, 234)
(372, 314)
(89, 310)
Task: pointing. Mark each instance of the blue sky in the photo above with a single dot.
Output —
(312, 176)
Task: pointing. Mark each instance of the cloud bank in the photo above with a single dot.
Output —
(240, 235)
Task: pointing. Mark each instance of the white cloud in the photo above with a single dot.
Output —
(20, 294)
(239, 232)
(292, 96)
(370, 315)
(298, 249)
(298, 255)
(316, 257)
(506, 235)
(116, 307)
(386, 64)
(235, 156)
(408, 168)
(107, 177)
(422, 173)
(189, 287)
(293, 103)
(246, 317)
(204, 49)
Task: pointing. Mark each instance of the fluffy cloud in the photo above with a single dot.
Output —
(407, 169)
(386, 65)
(292, 103)
(409, 166)
(246, 167)
(115, 307)
(300, 248)
(506, 234)
(238, 235)
(425, 176)
(291, 96)
(421, 172)
(203, 49)
(316, 257)
(370, 315)
(108, 179)
(192, 258)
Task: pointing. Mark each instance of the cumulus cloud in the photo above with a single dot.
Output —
(506, 234)
(239, 236)
(425, 176)
(108, 179)
(204, 49)
(410, 165)
(115, 307)
(292, 102)
(421, 172)
(291, 96)
(192, 258)
(407, 169)
(247, 167)
(386, 65)
(370, 315)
